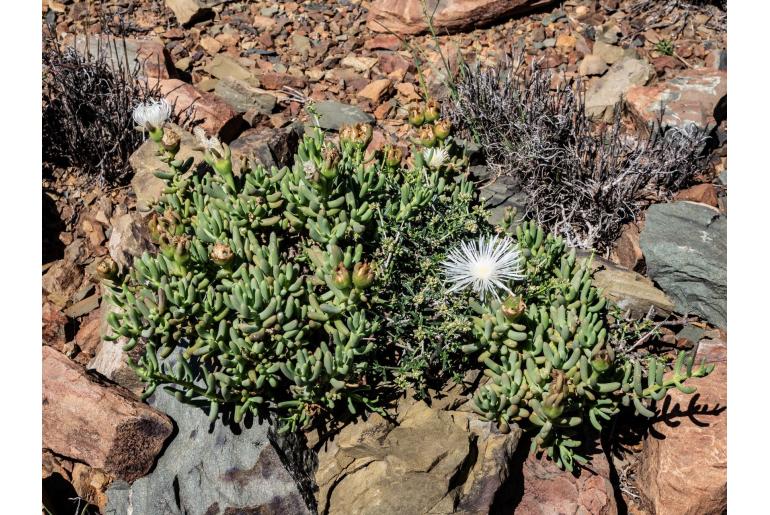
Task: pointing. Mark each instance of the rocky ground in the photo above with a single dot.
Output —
(243, 70)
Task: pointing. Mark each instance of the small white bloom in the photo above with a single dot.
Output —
(485, 265)
(435, 157)
(208, 144)
(310, 170)
(152, 114)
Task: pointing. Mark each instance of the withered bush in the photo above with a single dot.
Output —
(87, 106)
(580, 181)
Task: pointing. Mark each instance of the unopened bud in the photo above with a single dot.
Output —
(170, 141)
(416, 116)
(363, 275)
(107, 269)
(442, 129)
(393, 156)
(221, 254)
(342, 277)
(426, 136)
(432, 110)
(513, 307)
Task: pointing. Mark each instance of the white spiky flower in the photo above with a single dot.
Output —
(152, 114)
(208, 144)
(486, 265)
(435, 157)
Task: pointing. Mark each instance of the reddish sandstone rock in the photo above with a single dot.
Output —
(273, 80)
(150, 56)
(548, 490)
(101, 425)
(703, 193)
(693, 97)
(214, 115)
(407, 16)
(383, 42)
(53, 327)
(683, 466)
(627, 252)
(375, 90)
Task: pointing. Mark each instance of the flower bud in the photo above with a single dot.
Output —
(363, 275)
(432, 110)
(513, 307)
(363, 135)
(156, 133)
(552, 401)
(601, 361)
(341, 278)
(347, 134)
(393, 156)
(416, 116)
(331, 157)
(221, 254)
(170, 141)
(107, 269)
(426, 136)
(442, 129)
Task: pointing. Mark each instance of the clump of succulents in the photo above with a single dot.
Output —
(329, 285)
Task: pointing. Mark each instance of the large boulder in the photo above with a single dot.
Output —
(431, 461)
(685, 248)
(693, 98)
(130, 238)
(208, 469)
(407, 16)
(206, 110)
(683, 465)
(606, 92)
(149, 57)
(98, 424)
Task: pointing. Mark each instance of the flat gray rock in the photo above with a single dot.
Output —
(333, 115)
(685, 248)
(207, 470)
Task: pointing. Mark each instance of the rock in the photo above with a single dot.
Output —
(207, 470)
(54, 323)
(111, 361)
(225, 67)
(360, 64)
(333, 115)
(145, 162)
(383, 42)
(565, 42)
(374, 466)
(592, 65)
(89, 336)
(130, 238)
(610, 54)
(206, 110)
(694, 98)
(244, 97)
(101, 425)
(188, 12)
(626, 251)
(83, 307)
(630, 290)
(685, 248)
(548, 490)
(702, 193)
(210, 45)
(273, 80)
(151, 56)
(60, 281)
(375, 90)
(683, 465)
(603, 95)
(407, 17)
(269, 147)
(91, 484)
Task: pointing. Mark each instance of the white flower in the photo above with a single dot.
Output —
(310, 170)
(152, 114)
(435, 157)
(208, 144)
(485, 265)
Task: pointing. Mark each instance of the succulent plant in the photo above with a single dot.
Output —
(548, 358)
(305, 290)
